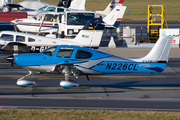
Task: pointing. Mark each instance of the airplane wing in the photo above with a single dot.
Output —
(34, 4)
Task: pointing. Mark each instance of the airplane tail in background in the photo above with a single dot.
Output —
(91, 33)
(110, 7)
(64, 3)
(160, 51)
(114, 18)
(78, 4)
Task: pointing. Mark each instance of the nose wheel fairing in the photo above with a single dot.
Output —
(24, 83)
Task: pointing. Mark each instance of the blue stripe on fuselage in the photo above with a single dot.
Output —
(128, 67)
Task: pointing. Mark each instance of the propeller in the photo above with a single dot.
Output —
(14, 48)
(10, 59)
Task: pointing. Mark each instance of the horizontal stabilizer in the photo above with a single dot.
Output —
(147, 66)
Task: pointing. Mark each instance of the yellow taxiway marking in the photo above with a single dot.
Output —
(156, 88)
(4, 63)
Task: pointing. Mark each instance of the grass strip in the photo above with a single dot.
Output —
(60, 114)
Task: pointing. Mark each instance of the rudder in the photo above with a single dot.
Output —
(160, 51)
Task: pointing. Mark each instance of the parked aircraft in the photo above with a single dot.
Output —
(51, 21)
(67, 23)
(74, 60)
(65, 5)
(34, 4)
(39, 5)
(30, 7)
(110, 7)
(89, 36)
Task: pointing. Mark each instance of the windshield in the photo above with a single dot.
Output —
(42, 8)
(7, 37)
(51, 9)
(78, 18)
(38, 17)
(7, 27)
(49, 51)
(51, 18)
(35, 16)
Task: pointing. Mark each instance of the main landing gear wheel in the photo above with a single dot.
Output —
(68, 84)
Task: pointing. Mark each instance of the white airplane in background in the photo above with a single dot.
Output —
(50, 22)
(45, 7)
(64, 4)
(38, 43)
(67, 23)
(39, 5)
(17, 42)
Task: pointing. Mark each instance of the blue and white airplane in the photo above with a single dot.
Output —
(74, 60)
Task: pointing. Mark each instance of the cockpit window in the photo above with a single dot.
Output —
(20, 38)
(49, 51)
(7, 37)
(60, 10)
(51, 18)
(65, 52)
(38, 17)
(51, 9)
(31, 40)
(83, 54)
(42, 8)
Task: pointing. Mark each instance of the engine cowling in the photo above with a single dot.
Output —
(68, 84)
(24, 83)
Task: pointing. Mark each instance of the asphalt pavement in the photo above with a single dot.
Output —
(134, 91)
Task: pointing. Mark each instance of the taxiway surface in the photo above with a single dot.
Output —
(135, 91)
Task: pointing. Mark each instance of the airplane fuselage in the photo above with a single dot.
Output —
(46, 63)
(75, 60)
(106, 67)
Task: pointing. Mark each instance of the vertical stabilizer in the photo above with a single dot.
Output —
(160, 51)
(64, 3)
(91, 33)
(115, 16)
(78, 4)
(110, 7)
